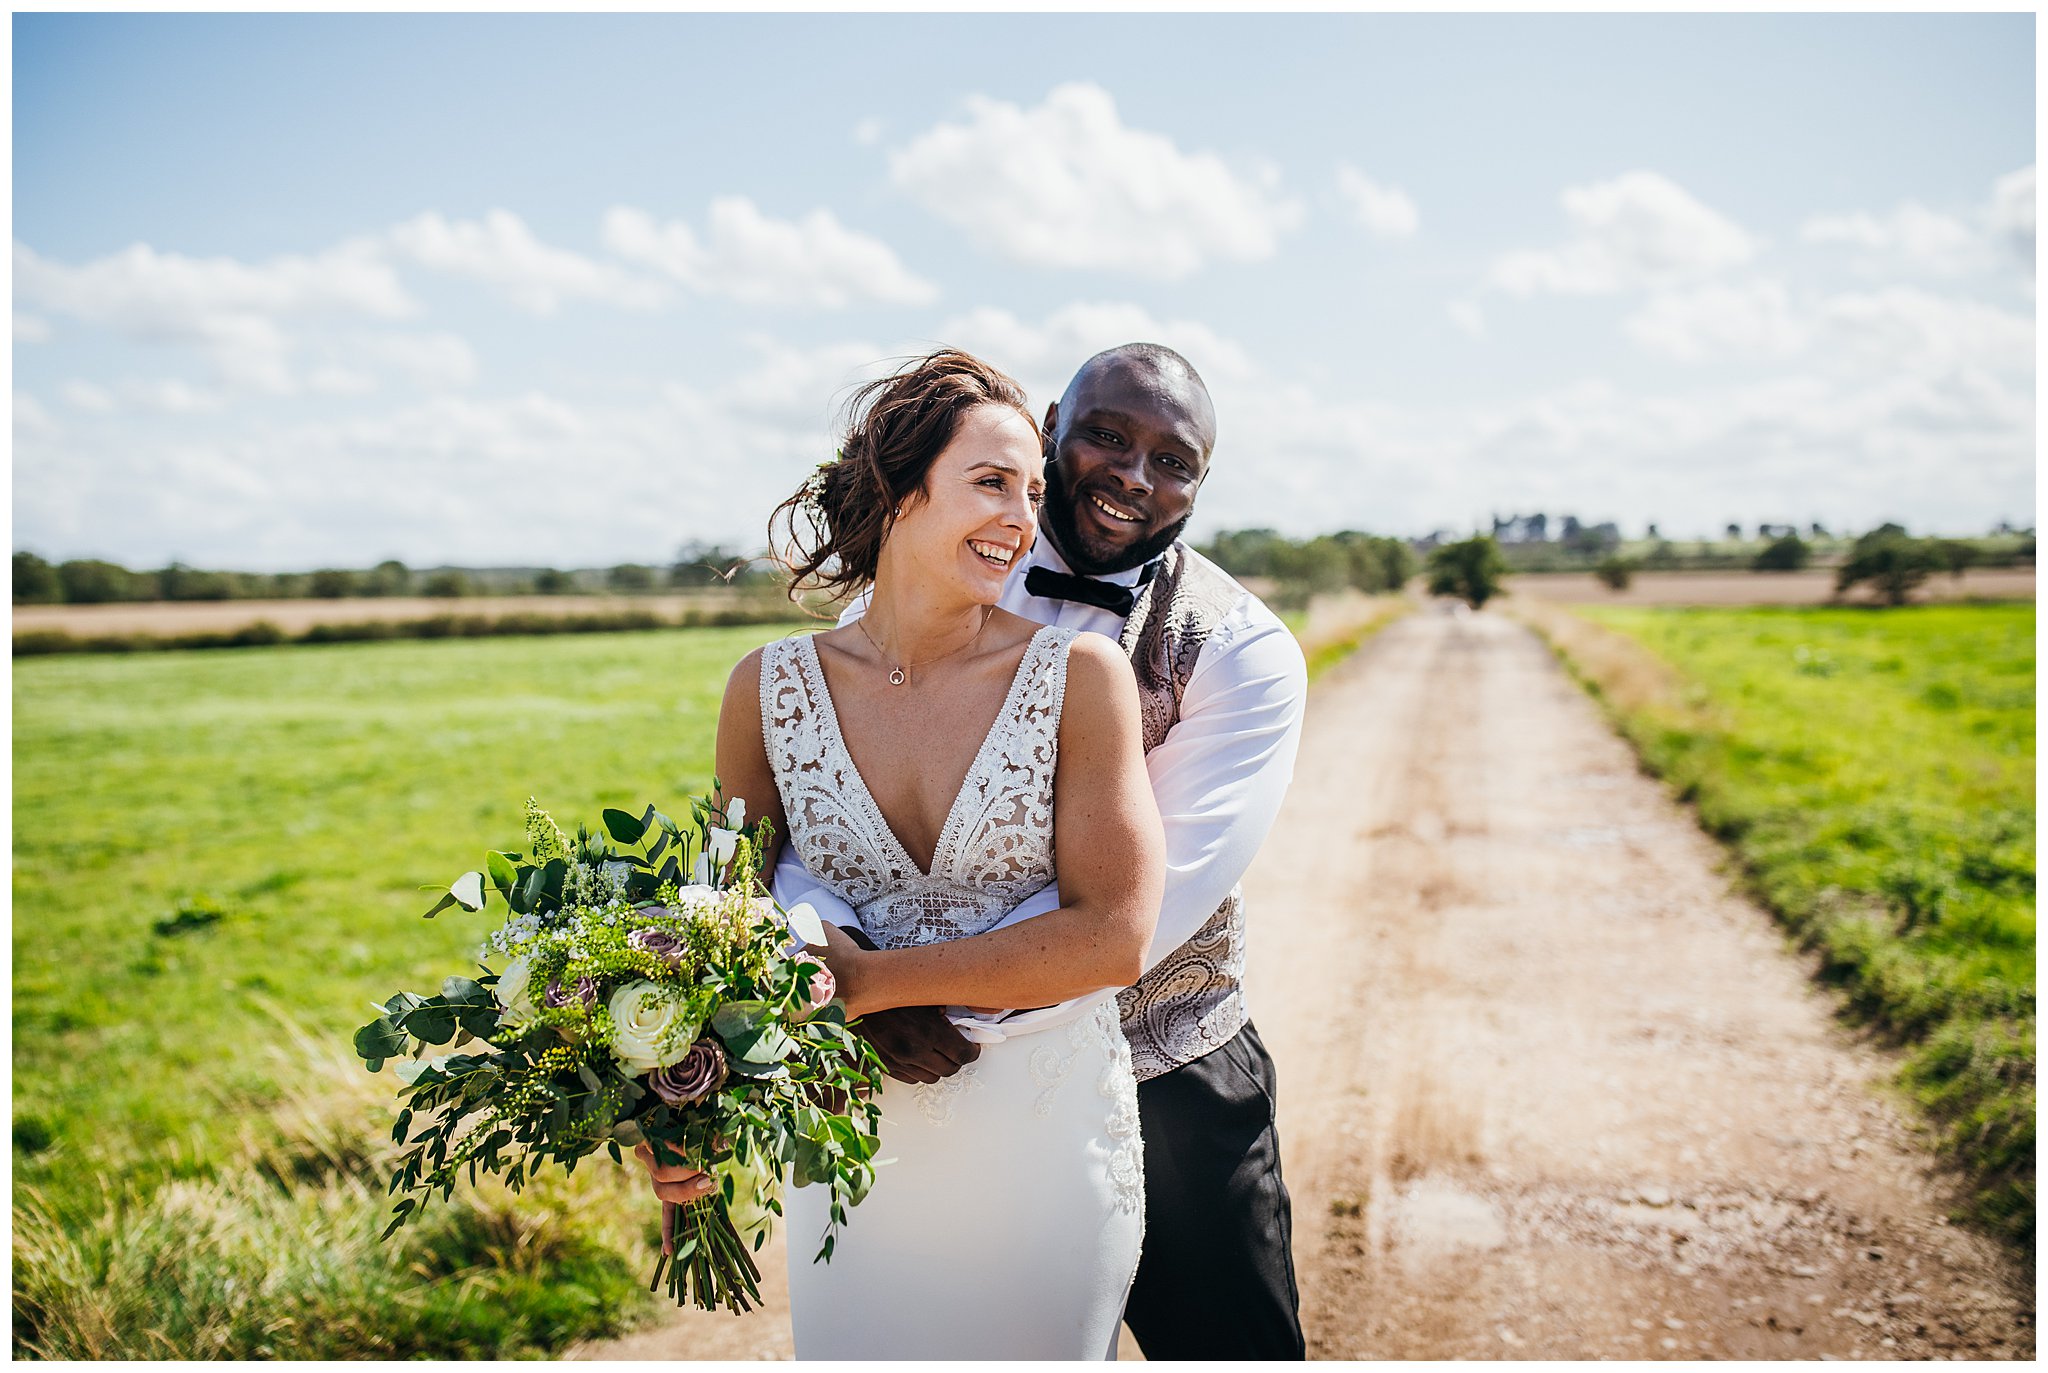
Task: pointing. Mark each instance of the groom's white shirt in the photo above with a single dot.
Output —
(1218, 776)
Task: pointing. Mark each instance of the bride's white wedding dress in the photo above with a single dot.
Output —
(1006, 1218)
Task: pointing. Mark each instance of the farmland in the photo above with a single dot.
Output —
(217, 860)
(1873, 772)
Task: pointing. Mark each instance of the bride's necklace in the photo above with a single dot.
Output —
(900, 674)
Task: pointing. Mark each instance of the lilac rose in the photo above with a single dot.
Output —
(558, 996)
(659, 942)
(691, 1078)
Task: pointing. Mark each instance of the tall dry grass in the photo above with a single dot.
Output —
(274, 1253)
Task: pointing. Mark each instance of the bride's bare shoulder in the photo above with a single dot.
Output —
(1099, 676)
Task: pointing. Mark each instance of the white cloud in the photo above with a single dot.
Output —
(30, 328)
(170, 397)
(432, 362)
(502, 253)
(1068, 184)
(2011, 216)
(229, 308)
(83, 395)
(31, 417)
(1911, 236)
(1639, 229)
(757, 260)
(1044, 355)
(1385, 211)
(1754, 319)
(1468, 317)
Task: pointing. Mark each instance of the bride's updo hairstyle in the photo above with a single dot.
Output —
(896, 427)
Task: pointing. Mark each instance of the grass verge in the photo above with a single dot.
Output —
(1334, 628)
(1873, 773)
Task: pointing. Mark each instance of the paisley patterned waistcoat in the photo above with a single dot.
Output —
(1193, 1001)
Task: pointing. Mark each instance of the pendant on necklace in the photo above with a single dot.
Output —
(896, 678)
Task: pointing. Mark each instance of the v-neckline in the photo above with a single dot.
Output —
(810, 646)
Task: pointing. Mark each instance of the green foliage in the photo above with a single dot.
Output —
(630, 577)
(1893, 563)
(1786, 553)
(1470, 570)
(1614, 572)
(1304, 568)
(550, 582)
(1874, 772)
(332, 583)
(305, 791)
(448, 582)
(90, 581)
(35, 581)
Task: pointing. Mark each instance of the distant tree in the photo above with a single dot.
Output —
(181, 583)
(1890, 561)
(1571, 530)
(1470, 569)
(89, 581)
(1663, 553)
(332, 583)
(1604, 537)
(446, 583)
(1651, 532)
(550, 582)
(1786, 553)
(388, 578)
(1817, 530)
(1614, 572)
(707, 565)
(35, 581)
(1957, 556)
(1538, 526)
(631, 577)
(1734, 533)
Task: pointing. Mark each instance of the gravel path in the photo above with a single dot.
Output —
(1558, 1093)
(1548, 1088)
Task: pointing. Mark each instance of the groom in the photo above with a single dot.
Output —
(1221, 683)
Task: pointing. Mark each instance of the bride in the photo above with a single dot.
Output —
(915, 759)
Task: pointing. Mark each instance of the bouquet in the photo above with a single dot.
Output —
(629, 1005)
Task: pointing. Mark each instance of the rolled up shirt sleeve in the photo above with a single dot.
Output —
(1221, 772)
(793, 883)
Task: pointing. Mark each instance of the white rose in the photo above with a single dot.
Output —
(651, 1027)
(723, 842)
(514, 992)
(736, 813)
(696, 894)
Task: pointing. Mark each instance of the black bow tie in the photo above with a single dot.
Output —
(1059, 586)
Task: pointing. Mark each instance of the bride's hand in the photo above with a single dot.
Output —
(849, 963)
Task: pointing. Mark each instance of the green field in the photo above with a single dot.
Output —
(1874, 773)
(217, 860)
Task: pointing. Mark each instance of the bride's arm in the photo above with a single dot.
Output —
(742, 757)
(1110, 854)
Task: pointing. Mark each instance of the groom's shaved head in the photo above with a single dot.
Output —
(1164, 365)
(1127, 447)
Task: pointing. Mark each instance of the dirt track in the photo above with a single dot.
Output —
(1548, 1089)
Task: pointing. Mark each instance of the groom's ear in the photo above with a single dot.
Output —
(1052, 424)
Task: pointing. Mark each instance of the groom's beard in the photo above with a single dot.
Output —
(1092, 557)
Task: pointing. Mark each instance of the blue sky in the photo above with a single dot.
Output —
(309, 290)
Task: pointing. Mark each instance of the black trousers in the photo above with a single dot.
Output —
(1216, 1279)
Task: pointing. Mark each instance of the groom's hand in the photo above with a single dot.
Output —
(915, 1043)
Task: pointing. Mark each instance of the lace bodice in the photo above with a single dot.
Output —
(996, 846)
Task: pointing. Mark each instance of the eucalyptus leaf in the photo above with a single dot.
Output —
(624, 827)
(503, 873)
(380, 1039)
